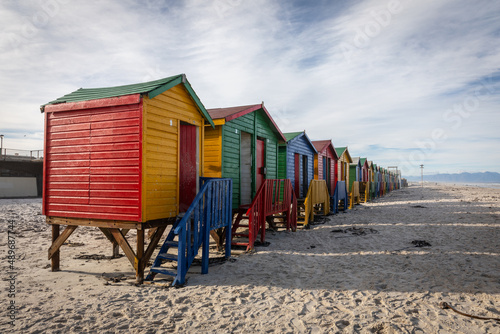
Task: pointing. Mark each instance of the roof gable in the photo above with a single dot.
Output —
(322, 145)
(343, 150)
(151, 88)
(230, 113)
(293, 136)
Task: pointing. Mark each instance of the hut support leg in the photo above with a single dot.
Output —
(54, 261)
(140, 260)
(139, 270)
(57, 241)
(115, 247)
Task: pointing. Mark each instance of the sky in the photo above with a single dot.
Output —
(399, 82)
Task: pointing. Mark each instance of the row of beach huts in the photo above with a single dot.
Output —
(149, 156)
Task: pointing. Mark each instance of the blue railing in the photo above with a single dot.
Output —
(210, 209)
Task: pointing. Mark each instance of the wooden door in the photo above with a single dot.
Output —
(296, 165)
(187, 166)
(329, 175)
(245, 168)
(260, 163)
(305, 168)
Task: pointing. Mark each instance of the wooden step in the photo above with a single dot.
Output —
(169, 257)
(164, 271)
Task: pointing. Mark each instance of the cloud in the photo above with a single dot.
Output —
(379, 76)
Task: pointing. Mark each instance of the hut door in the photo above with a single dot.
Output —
(188, 171)
(329, 175)
(297, 175)
(245, 168)
(259, 161)
(305, 168)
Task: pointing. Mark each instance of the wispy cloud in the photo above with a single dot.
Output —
(384, 77)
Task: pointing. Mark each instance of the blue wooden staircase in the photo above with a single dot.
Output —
(211, 209)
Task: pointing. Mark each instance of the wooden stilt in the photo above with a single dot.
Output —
(57, 241)
(55, 256)
(139, 273)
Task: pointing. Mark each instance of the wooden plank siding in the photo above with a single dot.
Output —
(302, 146)
(162, 117)
(93, 163)
(226, 139)
(213, 151)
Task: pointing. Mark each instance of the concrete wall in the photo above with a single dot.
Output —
(18, 187)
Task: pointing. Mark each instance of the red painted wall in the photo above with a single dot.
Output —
(93, 162)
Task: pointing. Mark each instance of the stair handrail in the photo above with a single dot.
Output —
(273, 196)
(203, 218)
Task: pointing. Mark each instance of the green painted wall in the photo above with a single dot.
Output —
(258, 125)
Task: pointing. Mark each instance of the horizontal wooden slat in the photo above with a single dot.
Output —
(115, 147)
(69, 163)
(69, 171)
(115, 124)
(68, 178)
(58, 119)
(115, 155)
(68, 135)
(114, 186)
(117, 114)
(69, 185)
(115, 139)
(69, 156)
(93, 215)
(116, 131)
(115, 170)
(114, 178)
(115, 201)
(114, 162)
(93, 208)
(70, 127)
(68, 149)
(68, 192)
(114, 193)
(67, 200)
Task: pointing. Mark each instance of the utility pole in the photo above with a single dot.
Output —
(422, 169)
(1, 145)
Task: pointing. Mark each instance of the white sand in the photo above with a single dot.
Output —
(311, 281)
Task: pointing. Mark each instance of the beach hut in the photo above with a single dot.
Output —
(354, 181)
(325, 163)
(296, 161)
(343, 164)
(121, 158)
(354, 171)
(364, 169)
(242, 146)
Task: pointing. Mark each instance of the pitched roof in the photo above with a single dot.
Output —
(290, 135)
(362, 160)
(151, 88)
(230, 113)
(340, 150)
(322, 144)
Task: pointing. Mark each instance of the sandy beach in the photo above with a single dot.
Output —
(354, 272)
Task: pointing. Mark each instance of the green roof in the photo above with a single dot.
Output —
(290, 135)
(340, 150)
(151, 88)
(362, 160)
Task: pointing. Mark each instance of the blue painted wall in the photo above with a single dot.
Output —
(302, 146)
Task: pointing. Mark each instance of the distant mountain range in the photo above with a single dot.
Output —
(486, 177)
